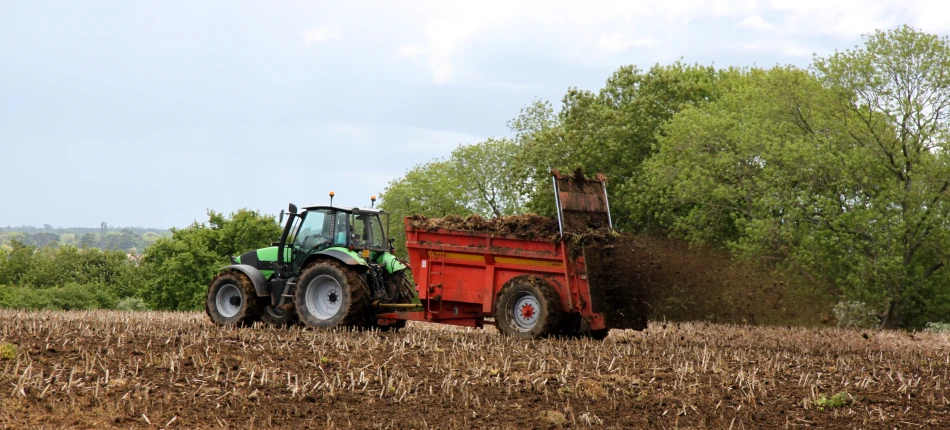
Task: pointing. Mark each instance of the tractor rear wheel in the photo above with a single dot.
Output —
(232, 300)
(329, 295)
(528, 308)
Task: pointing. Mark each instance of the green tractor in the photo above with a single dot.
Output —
(333, 266)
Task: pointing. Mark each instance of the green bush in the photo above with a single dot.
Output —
(131, 304)
(57, 266)
(177, 269)
(937, 327)
(71, 296)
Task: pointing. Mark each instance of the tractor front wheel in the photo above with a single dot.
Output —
(528, 308)
(232, 300)
(330, 295)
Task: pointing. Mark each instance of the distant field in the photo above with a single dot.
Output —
(176, 370)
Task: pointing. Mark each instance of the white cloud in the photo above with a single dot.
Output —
(438, 142)
(750, 46)
(360, 135)
(593, 33)
(316, 36)
(443, 38)
(448, 42)
(796, 50)
(617, 42)
(787, 49)
(756, 22)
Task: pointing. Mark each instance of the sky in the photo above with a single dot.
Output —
(150, 113)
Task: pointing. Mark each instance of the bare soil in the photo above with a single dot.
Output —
(110, 369)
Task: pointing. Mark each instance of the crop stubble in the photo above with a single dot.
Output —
(115, 369)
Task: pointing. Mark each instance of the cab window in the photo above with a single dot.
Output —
(377, 230)
(359, 234)
(367, 230)
(316, 229)
(339, 231)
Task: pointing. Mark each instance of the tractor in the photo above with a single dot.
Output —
(332, 266)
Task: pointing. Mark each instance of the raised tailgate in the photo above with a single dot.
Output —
(581, 202)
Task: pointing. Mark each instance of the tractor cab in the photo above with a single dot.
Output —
(360, 230)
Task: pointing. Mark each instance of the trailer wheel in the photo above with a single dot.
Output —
(528, 308)
(330, 295)
(232, 300)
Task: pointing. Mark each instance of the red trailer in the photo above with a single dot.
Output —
(530, 288)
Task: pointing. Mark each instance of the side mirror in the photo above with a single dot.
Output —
(281, 217)
(292, 208)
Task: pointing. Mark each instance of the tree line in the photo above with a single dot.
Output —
(838, 172)
(172, 274)
(129, 239)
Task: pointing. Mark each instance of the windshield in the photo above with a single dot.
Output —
(367, 231)
(317, 229)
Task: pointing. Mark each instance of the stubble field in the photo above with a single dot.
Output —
(175, 370)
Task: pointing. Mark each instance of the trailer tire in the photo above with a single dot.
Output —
(232, 300)
(528, 307)
(330, 295)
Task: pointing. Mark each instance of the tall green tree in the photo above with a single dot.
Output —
(432, 189)
(896, 104)
(493, 175)
(612, 131)
(841, 174)
(485, 178)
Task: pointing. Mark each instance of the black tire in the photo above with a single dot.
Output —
(337, 296)
(598, 334)
(528, 307)
(278, 317)
(232, 300)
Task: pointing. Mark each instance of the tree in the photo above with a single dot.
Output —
(896, 105)
(842, 174)
(429, 189)
(178, 269)
(243, 231)
(492, 172)
(612, 131)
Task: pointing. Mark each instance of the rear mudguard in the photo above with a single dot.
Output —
(261, 286)
(346, 256)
